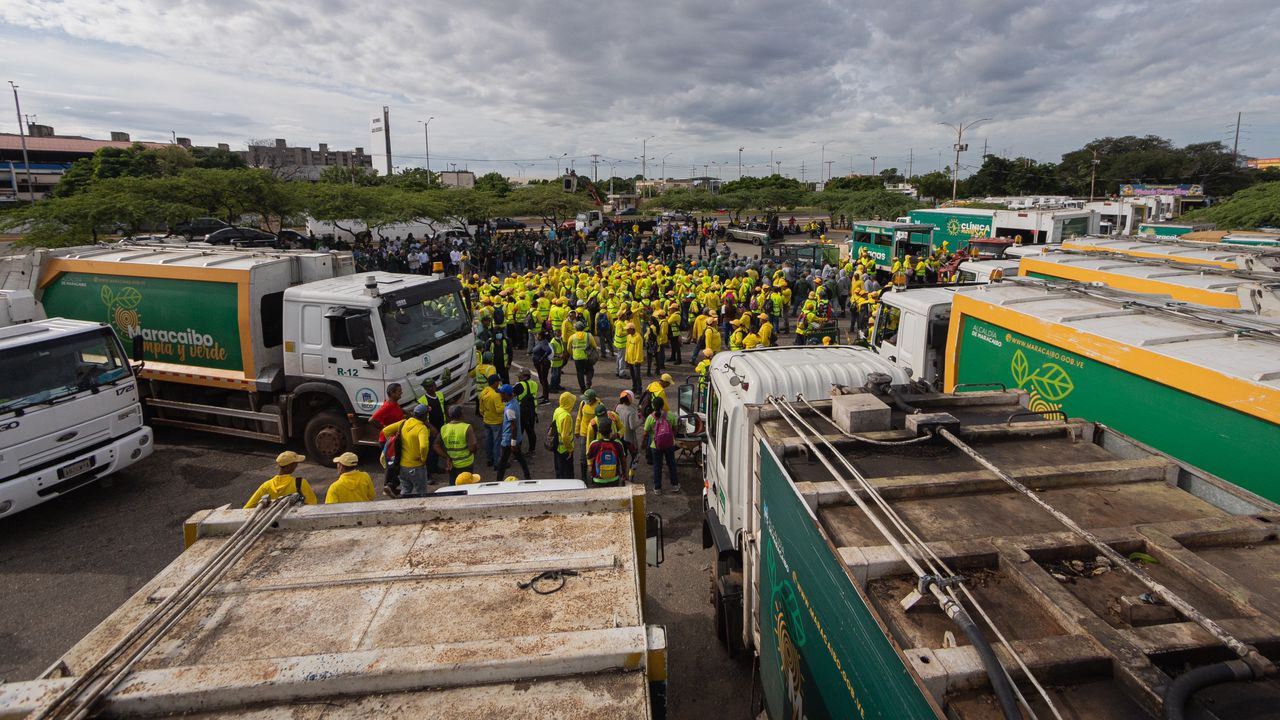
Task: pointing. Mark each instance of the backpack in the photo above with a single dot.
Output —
(646, 403)
(390, 459)
(604, 461)
(552, 440)
(663, 437)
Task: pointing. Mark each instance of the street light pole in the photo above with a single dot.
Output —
(1093, 174)
(740, 162)
(664, 166)
(873, 164)
(426, 143)
(644, 143)
(771, 158)
(557, 159)
(955, 170)
(22, 136)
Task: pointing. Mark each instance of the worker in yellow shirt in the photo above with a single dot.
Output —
(586, 413)
(658, 389)
(580, 344)
(491, 415)
(751, 341)
(562, 421)
(415, 438)
(634, 353)
(352, 485)
(481, 374)
(711, 339)
(284, 483)
(765, 331)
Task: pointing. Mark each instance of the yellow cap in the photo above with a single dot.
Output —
(347, 459)
(666, 378)
(509, 478)
(289, 457)
(467, 478)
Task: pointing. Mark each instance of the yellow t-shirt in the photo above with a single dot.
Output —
(490, 406)
(281, 485)
(351, 486)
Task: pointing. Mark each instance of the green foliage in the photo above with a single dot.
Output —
(1020, 176)
(683, 200)
(878, 204)
(860, 182)
(549, 202)
(412, 179)
(1251, 208)
(936, 185)
(217, 158)
(772, 182)
(494, 182)
(621, 186)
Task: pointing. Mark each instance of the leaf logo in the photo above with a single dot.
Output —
(1049, 380)
(1053, 382)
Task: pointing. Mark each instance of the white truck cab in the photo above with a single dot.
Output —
(69, 411)
(588, 221)
(911, 331)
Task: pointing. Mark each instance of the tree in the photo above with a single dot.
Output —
(774, 181)
(935, 185)
(413, 179)
(891, 175)
(217, 158)
(683, 200)
(858, 182)
(878, 205)
(495, 183)
(1248, 209)
(549, 202)
(344, 175)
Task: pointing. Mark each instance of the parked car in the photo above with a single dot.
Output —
(198, 228)
(677, 216)
(242, 237)
(506, 223)
(452, 234)
(628, 211)
(293, 239)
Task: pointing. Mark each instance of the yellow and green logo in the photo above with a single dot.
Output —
(953, 226)
(122, 309)
(1049, 383)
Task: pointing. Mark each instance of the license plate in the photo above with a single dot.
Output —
(75, 468)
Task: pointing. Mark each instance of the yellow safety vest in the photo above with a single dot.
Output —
(578, 345)
(454, 437)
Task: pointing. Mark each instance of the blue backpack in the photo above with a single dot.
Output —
(605, 461)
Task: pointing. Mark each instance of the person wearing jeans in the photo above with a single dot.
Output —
(659, 457)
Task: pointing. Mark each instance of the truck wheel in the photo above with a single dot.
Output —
(326, 436)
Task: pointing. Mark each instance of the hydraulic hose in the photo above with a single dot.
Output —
(1000, 683)
(1179, 692)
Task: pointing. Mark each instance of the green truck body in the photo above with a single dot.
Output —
(188, 322)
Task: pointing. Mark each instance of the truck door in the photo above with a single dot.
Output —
(351, 357)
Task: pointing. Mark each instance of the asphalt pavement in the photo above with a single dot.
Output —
(68, 563)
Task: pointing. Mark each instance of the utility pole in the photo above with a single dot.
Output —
(984, 149)
(386, 134)
(1235, 146)
(595, 163)
(22, 136)
(740, 162)
(959, 147)
(801, 172)
(1093, 174)
(873, 164)
(829, 163)
(911, 161)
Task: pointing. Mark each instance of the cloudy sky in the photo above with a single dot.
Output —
(511, 83)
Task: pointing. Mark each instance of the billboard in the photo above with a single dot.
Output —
(1143, 190)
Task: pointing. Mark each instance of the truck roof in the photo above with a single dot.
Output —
(38, 330)
(919, 300)
(1080, 625)
(799, 370)
(1240, 346)
(896, 226)
(1241, 257)
(397, 608)
(197, 257)
(351, 288)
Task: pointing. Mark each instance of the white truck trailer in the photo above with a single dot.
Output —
(482, 606)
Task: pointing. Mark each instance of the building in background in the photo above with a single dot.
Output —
(50, 155)
(301, 162)
(1264, 163)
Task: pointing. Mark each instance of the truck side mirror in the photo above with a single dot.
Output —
(137, 348)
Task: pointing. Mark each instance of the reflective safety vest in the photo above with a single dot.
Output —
(735, 340)
(557, 352)
(483, 372)
(578, 344)
(527, 388)
(454, 437)
(436, 403)
(619, 333)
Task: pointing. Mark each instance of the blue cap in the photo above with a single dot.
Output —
(507, 390)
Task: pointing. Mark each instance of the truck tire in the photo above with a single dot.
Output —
(327, 435)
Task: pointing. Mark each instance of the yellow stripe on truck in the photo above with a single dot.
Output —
(1252, 399)
(1119, 281)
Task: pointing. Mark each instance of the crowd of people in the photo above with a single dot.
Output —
(640, 307)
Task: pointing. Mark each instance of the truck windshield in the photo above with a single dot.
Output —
(45, 371)
(419, 319)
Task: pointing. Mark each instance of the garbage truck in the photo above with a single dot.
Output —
(271, 345)
(69, 410)
(500, 605)
(1200, 383)
(909, 554)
